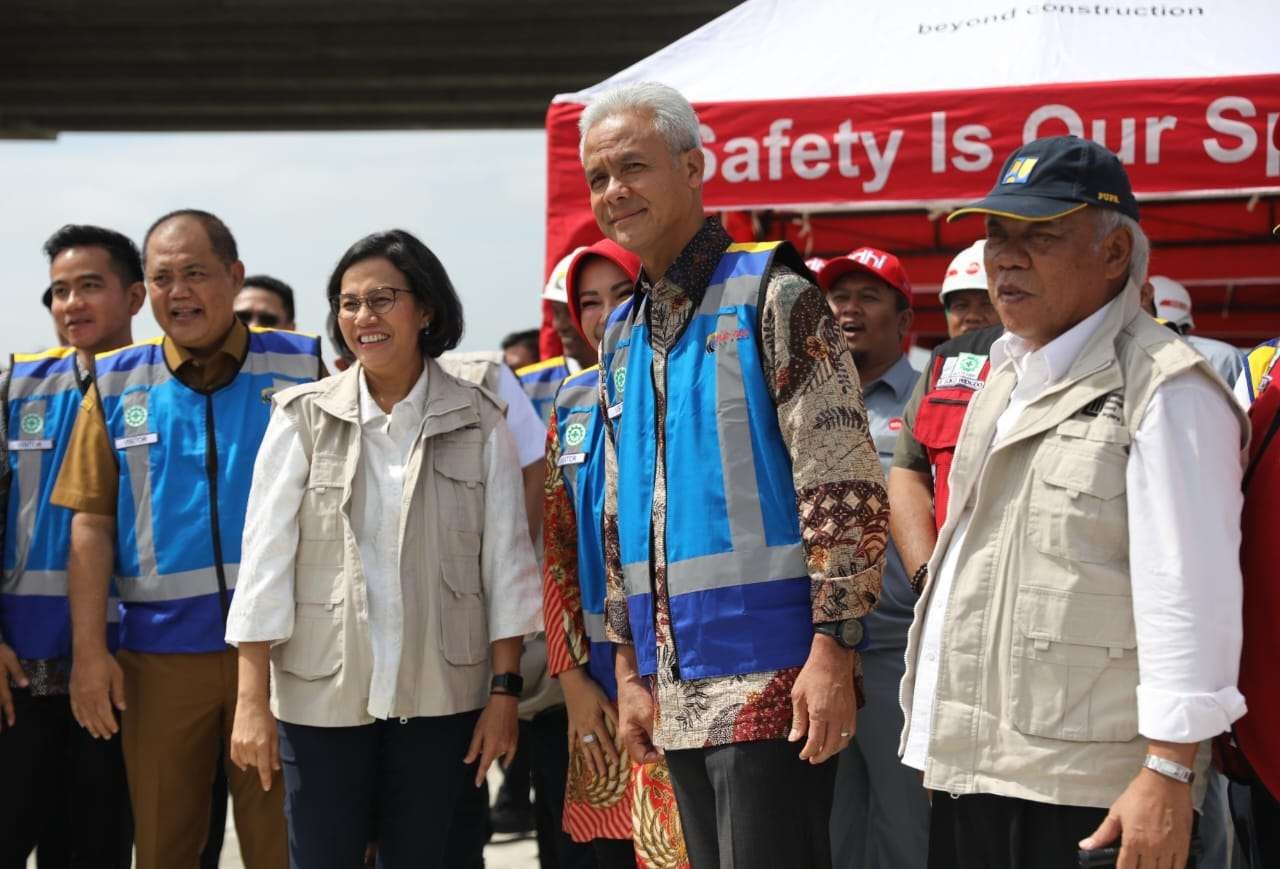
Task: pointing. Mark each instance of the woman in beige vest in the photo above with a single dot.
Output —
(387, 571)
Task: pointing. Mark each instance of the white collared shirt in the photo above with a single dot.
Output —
(1184, 500)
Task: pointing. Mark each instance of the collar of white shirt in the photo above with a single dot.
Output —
(1047, 365)
(412, 406)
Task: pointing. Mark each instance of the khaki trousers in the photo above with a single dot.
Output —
(180, 708)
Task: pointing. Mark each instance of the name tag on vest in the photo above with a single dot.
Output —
(571, 459)
(615, 411)
(137, 440)
(18, 446)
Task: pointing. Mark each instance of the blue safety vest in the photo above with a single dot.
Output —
(186, 462)
(540, 382)
(580, 432)
(737, 580)
(44, 396)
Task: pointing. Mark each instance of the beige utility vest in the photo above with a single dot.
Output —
(320, 676)
(1037, 676)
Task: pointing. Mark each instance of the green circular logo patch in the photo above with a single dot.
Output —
(575, 434)
(620, 378)
(135, 416)
(32, 423)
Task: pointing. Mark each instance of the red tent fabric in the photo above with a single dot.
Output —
(875, 121)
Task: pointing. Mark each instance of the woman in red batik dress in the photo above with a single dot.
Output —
(627, 811)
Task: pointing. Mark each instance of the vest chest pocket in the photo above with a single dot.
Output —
(320, 517)
(463, 623)
(1074, 666)
(1078, 510)
(458, 461)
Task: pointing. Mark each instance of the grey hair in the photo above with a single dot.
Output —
(1109, 219)
(673, 117)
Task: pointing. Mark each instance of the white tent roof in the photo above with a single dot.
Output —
(789, 49)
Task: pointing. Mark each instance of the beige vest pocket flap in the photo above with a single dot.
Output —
(315, 649)
(1074, 668)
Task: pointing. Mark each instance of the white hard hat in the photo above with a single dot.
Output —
(815, 263)
(1173, 302)
(555, 290)
(966, 271)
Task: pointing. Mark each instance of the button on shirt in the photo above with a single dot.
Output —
(885, 398)
(1183, 495)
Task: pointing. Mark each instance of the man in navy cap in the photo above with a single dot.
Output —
(1077, 639)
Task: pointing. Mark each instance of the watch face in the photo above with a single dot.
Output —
(851, 632)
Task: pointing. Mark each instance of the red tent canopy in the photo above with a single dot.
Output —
(834, 125)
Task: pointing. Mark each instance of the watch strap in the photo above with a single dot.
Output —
(1169, 769)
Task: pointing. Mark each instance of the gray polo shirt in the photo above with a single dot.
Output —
(885, 398)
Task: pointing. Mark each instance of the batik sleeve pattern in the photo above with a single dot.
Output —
(617, 624)
(840, 491)
(567, 643)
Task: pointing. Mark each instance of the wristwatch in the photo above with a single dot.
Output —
(507, 683)
(1169, 769)
(849, 633)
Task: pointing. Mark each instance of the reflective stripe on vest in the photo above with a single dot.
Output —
(44, 397)
(737, 580)
(186, 462)
(580, 432)
(540, 382)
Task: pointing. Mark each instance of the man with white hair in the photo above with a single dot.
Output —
(1077, 640)
(744, 508)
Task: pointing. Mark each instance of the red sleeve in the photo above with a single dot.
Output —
(567, 643)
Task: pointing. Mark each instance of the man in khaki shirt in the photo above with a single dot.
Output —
(156, 472)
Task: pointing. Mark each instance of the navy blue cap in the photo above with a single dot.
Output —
(1053, 177)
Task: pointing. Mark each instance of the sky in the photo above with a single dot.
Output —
(295, 202)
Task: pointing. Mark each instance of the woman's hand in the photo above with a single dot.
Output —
(593, 719)
(495, 734)
(254, 738)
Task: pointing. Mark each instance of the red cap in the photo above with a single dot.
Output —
(874, 261)
(610, 250)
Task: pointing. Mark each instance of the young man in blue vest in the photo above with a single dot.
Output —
(745, 513)
(157, 473)
(881, 813)
(64, 791)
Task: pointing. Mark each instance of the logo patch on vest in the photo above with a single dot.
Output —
(32, 423)
(266, 394)
(716, 340)
(135, 416)
(620, 378)
(1109, 407)
(962, 370)
(575, 433)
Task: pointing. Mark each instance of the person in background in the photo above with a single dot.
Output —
(966, 303)
(605, 790)
(266, 302)
(745, 515)
(932, 418)
(157, 471)
(64, 791)
(880, 815)
(385, 577)
(520, 349)
(1168, 301)
(1077, 638)
(542, 379)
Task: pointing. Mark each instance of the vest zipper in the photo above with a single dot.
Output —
(211, 469)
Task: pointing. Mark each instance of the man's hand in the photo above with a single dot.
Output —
(495, 735)
(255, 741)
(1154, 817)
(97, 685)
(822, 701)
(9, 669)
(635, 708)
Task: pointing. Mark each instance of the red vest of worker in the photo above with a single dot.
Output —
(1258, 732)
(958, 370)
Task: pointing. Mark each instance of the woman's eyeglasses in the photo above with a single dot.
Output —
(380, 300)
